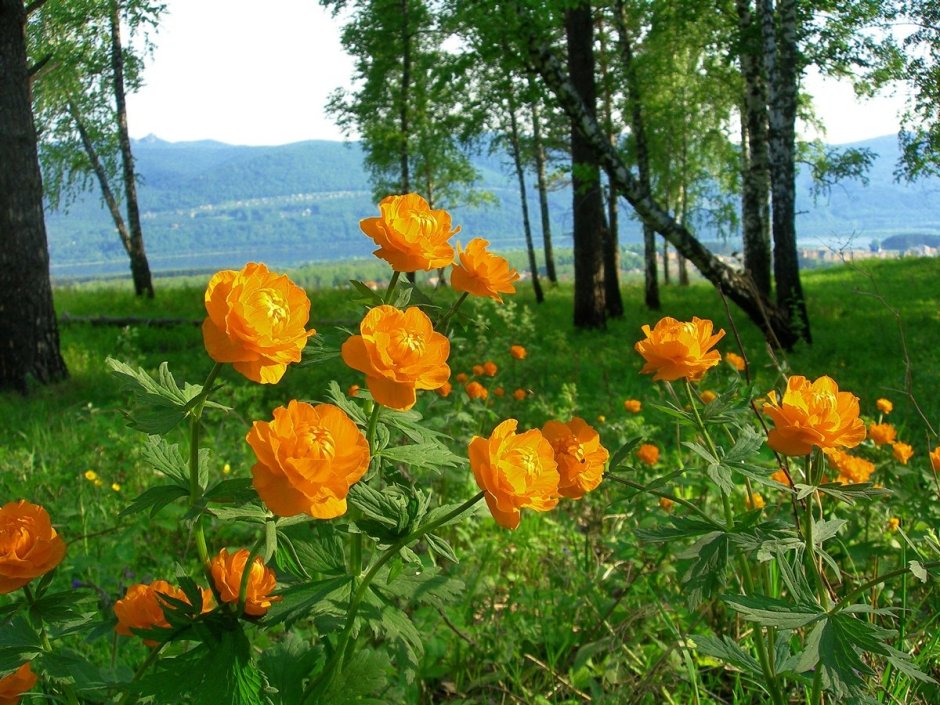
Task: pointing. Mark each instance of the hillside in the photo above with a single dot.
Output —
(209, 205)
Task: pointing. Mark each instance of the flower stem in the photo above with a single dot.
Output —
(334, 664)
(679, 500)
(445, 319)
(391, 287)
(195, 491)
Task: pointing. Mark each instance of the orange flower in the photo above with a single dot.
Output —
(676, 349)
(882, 433)
(445, 389)
(143, 607)
(902, 452)
(29, 546)
(708, 396)
(884, 406)
(519, 394)
(579, 455)
(757, 502)
(475, 390)
(666, 504)
(227, 569)
(482, 273)
(736, 361)
(852, 470)
(781, 477)
(490, 369)
(935, 459)
(410, 235)
(461, 378)
(499, 392)
(308, 458)
(893, 524)
(13, 685)
(353, 390)
(399, 352)
(648, 453)
(477, 370)
(633, 406)
(518, 352)
(813, 414)
(256, 321)
(515, 471)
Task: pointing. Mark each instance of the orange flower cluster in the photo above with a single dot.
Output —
(142, 607)
(518, 352)
(227, 570)
(256, 322)
(445, 389)
(490, 369)
(851, 469)
(893, 524)
(515, 472)
(679, 349)
(29, 546)
(482, 273)
(410, 235)
(399, 352)
(882, 433)
(579, 454)
(902, 452)
(648, 453)
(13, 685)
(475, 390)
(477, 370)
(813, 414)
(519, 394)
(308, 458)
(884, 406)
(633, 406)
(736, 361)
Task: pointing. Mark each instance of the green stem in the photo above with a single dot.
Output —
(678, 500)
(391, 287)
(864, 587)
(442, 323)
(195, 491)
(151, 659)
(246, 574)
(725, 499)
(812, 475)
(332, 665)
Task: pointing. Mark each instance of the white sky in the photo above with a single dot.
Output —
(246, 72)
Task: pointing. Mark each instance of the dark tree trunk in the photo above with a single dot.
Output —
(140, 267)
(403, 122)
(666, 275)
(520, 174)
(638, 129)
(539, 149)
(755, 208)
(29, 336)
(681, 261)
(775, 324)
(780, 55)
(613, 301)
(589, 293)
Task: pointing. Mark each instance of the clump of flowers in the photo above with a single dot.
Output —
(518, 352)
(813, 414)
(410, 235)
(227, 570)
(882, 433)
(445, 389)
(490, 369)
(648, 453)
(399, 352)
(902, 452)
(143, 605)
(893, 524)
(29, 546)
(257, 321)
(483, 273)
(515, 471)
(579, 454)
(307, 459)
(475, 390)
(851, 469)
(679, 349)
(634, 406)
(736, 361)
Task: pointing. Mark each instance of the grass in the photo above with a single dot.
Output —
(567, 607)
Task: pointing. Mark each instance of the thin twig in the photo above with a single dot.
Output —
(561, 679)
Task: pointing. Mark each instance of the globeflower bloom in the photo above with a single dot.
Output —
(679, 349)
(902, 452)
(256, 322)
(935, 459)
(227, 570)
(813, 414)
(475, 390)
(708, 396)
(410, 235)
(477, 370)
(308, 458)
(482, 273)
(519, 394)
(29, 546)
(884, 406)
(490, 369)
(445, 389)
(851, 469)
(399, 352)
(882, 433)
(518, 352)
(666, 504)
(780, 475)
(756, 503)
(515, 472)
(735, 360)
(633, 406)
(143, 607)
(13, 685)
(579, 454)
(648, 453)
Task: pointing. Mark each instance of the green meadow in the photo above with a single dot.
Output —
(572, 607)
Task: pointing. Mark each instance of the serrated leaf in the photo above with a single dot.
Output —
(702, 452)
(66, 666)
(366, 295)
(674, 411)
(423, 455)
(167, 459)
(329, 596)
(721, 476)
(424, 585)
(623, 452)
(254, 513)
(155, 499)
(323, 552)
(747, 445)
(440, 547)
(727, 650)
(706, 574)
(826, 529)
(365, 674)
(681, 528)
(234, 490)
(160, 403)
(850, 493)
(771, 612)
(339, 398)
(286, 664)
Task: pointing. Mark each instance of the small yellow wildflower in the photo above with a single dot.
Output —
(893, 524)
(91, 475)
(666, 504)
(116, 486)
(601, 418)
(757, 503)
(226, 469)
(708, 396)
(884, 406)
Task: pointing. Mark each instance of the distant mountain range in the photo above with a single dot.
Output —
(208, 205)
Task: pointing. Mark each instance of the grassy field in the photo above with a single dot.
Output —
(569, 608)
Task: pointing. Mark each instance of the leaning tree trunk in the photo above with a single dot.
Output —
(539, 149)
(589, 293)
(770, 319)
(780, 55)
(520, 174)
(29, 336)
(613, 301)
(638, 129)
(140, 267)
(755, 208)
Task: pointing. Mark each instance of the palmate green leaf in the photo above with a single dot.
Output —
(253, 513)
(365, 294)
(681, 528)
(57, 606)
(285, 665)
(337, 397)
(67, 666)
(234, 490)
(155, 499)
(365, 675)
(167, 459)
(727, 650)
(918, 570)
(674, 411)
(771, 612)
(392, 624)
(623, 451)
(412, 424)
(709, 567)
(320, 597)
(319, 548)
(18, 642)
(422, 585)
(844, 493)
(440, 547)
(423, 455)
